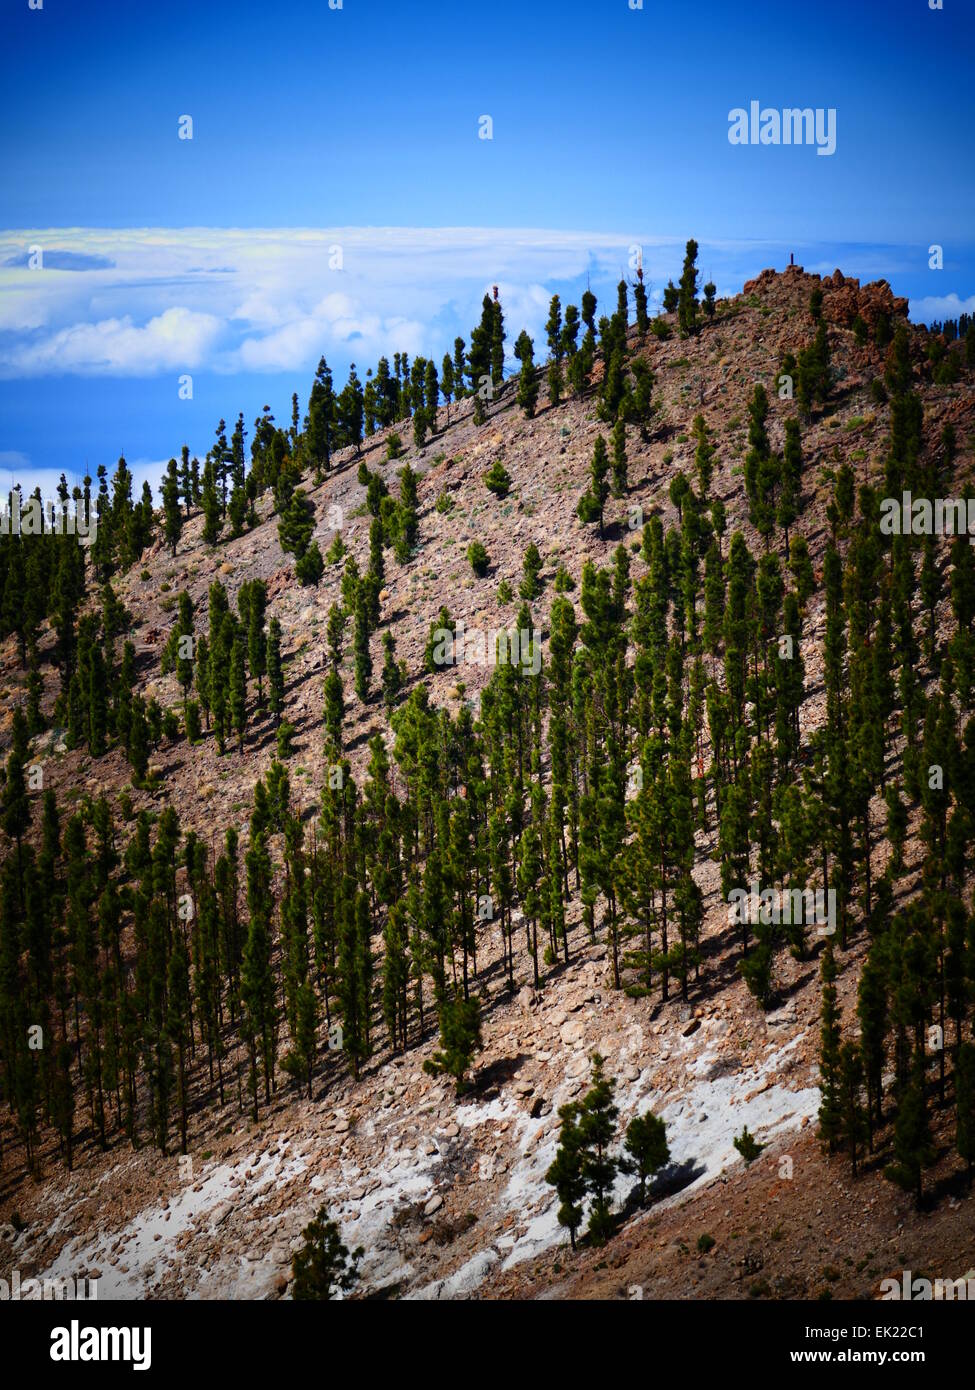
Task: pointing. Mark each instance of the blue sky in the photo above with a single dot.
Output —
(315, 128)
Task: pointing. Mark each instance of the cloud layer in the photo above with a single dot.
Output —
(141, 302)
(147, 301)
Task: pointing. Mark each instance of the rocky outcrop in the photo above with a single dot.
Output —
(845, 300)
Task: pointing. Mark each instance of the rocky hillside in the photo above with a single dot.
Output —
(448, 1196)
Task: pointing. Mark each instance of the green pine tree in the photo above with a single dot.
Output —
(646, 1146)
(323, 1268)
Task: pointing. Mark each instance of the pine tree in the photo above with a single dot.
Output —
(186, 479)
(16, 810)
(531, 567)
(447, 382)
(528, 377)
(703, 457)
(178, 652)
(813, 382)
(965, 1099)
(409, 526)
(872, 1014)
(296, 525)
(762, 469)
(211, 506)
(913, 1150)
(238, 689)
(323, 1267)
(350, 411)
(460, 368)
(253, 620)
(597, 1129)
(362, 658)
(853, 1119)
(497, 344)
(529, 875)
(640, 304)
(172, 514)
(396, 975)
(138, 741)
(306, 1031)
(178, 1027)
(553, 328)
(593, 500)
(257, 978)
(830, 1108)
(565, 1172)
(310, 567)
(355, 972)
(203, 676)
(792, 464)
(619, 459)
(460, 1038)
(687, 295)
(334, 709)
(391, 674)
(646, 1147)
(320, 428)
(431, 394)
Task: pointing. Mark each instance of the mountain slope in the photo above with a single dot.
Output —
(448, 1197)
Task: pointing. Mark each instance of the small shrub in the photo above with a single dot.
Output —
(478, 558)
(497, 479)
(335, 551)
(748, 1146)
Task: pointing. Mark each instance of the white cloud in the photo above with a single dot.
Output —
(176, 339)
(940, 307)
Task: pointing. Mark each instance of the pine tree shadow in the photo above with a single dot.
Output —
(489, 1080)
(675, 1178)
